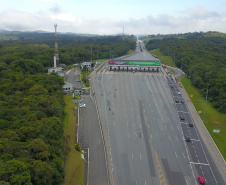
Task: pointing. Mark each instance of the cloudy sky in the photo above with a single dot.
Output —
(110, 16)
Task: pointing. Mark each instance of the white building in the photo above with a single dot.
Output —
(89, 65)
(67, 86)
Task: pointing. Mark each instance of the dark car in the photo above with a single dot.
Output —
(182, 117)
(176, 100)
(201, 180)
(191, 124)
(187, 138)
(182, 101)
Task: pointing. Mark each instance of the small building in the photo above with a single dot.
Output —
(67, 87)
(54, 70)
(78, 91)
(89, 65)
(97, 63)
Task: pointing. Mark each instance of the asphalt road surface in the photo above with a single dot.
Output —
(90, 137)
(73, 77)
(144, 135)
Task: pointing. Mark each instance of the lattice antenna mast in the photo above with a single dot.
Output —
(56, 53)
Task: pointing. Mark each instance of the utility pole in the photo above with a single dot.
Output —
(189, 82)
(206, 100)
(91, 53)
(174, 57)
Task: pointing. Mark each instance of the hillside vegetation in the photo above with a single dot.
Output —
(32, 146)
(203, 57)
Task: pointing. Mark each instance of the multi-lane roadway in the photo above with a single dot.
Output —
(143, 133)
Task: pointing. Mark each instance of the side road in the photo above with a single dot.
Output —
(90, 138)
(205, 135)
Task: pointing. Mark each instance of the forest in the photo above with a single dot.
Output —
(31, 102)
(202, 57)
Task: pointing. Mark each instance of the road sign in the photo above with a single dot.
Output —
(191, 95)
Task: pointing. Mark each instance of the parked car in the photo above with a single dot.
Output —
(82, 105)
(176, 100)
(182, 101)
(178, 93)
(201, 180)
(187, 138)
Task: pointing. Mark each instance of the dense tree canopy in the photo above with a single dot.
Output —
(203, 56)
(31, 101)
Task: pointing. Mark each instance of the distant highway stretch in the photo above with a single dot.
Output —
(141, 116)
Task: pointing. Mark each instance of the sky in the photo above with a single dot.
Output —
(106, 17)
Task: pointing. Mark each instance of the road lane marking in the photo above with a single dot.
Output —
(200, 163)
(176, 155)
(160, 171)
(195, 140)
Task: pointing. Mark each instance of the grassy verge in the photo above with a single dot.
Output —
(213, 119)
(74, 167)
(166, 59)
(101, 60)
(172, 71)
(130, 52)
(84, 77)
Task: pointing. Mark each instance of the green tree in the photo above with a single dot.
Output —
(43, 173)
(16, 172)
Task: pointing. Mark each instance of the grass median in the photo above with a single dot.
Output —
(213, 119)
(74, 167)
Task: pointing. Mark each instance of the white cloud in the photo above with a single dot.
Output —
(48, 0)
(55, 9)
(191, 19)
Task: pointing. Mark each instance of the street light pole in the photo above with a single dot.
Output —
(189, 82)
(206, 100)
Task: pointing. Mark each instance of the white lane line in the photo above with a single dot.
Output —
(200, 163)
(195, 140)
(183, 154)
(176, 155)
(169, 138)
(176, 138)
(186, 181)
(171, 127)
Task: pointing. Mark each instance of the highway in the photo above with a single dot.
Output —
(143, 132)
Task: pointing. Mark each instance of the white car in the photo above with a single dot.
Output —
(178, 92)
(81, 105)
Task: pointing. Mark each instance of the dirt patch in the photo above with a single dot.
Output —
(216, 122)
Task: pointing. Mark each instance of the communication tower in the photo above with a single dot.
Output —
(56, 52)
